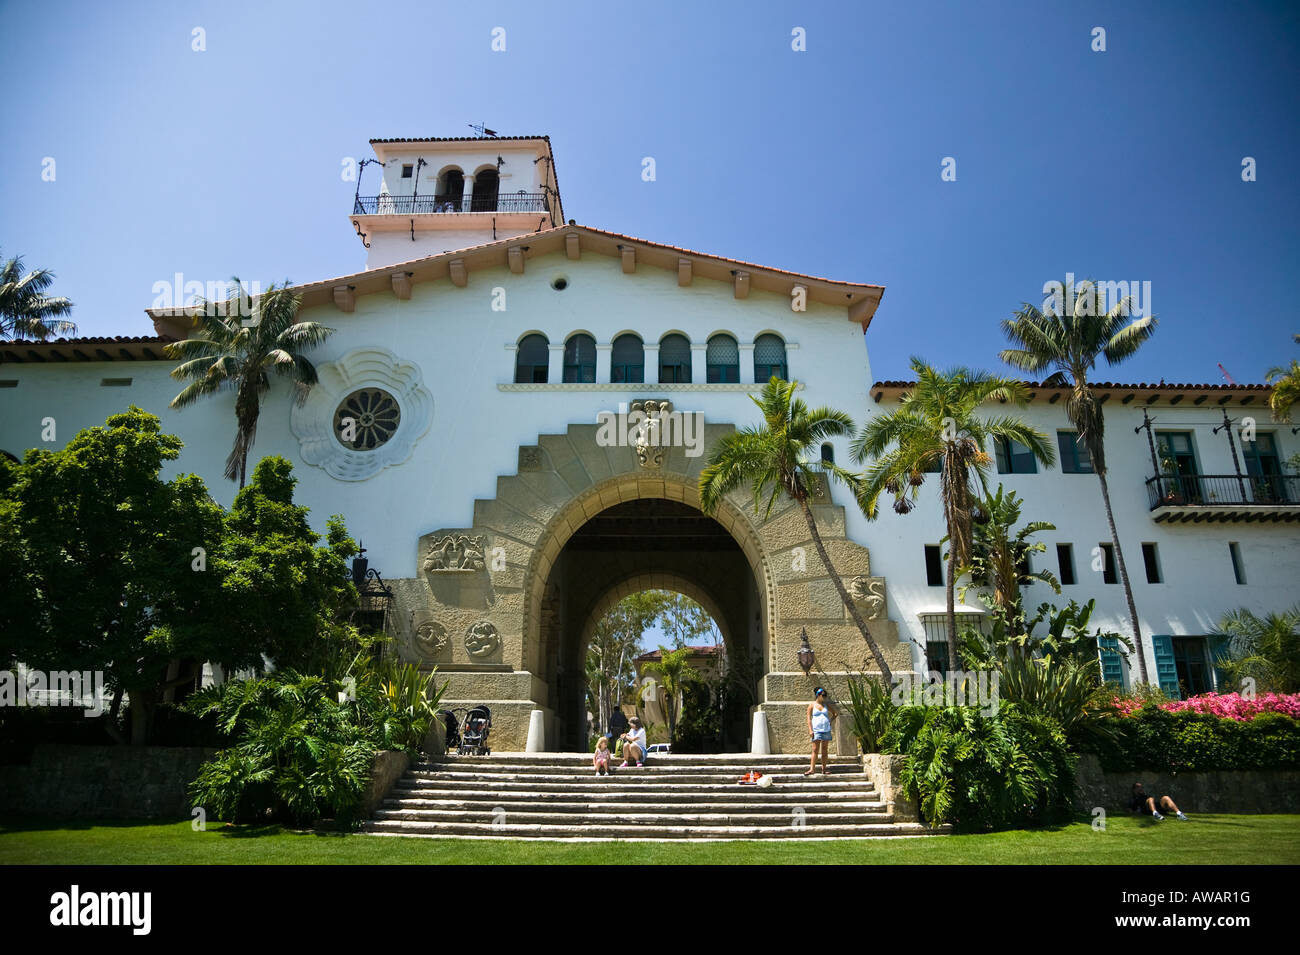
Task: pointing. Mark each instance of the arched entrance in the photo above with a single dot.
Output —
(504, 607)
(643, 543)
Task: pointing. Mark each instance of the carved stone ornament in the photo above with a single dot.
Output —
(483, 640)
(649, 452)
(431, 638)
(530, 458)
(870, 592)
(455, 552)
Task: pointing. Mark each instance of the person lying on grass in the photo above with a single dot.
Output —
(1142, 803)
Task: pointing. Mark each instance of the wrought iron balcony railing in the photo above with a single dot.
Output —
(429, 205)
(1209, 490)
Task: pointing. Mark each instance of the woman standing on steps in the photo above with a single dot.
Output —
(820, 714)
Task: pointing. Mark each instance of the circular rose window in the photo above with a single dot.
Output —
(366, 419)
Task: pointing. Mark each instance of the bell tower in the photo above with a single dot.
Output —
(442, 195)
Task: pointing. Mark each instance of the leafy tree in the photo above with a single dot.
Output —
(685, 622)
(1265, 649)
(615, 643)
(937, 427)
(1286, 388)
(98, 564)
(1000, 554)
(1070, 338)
(782, 456)
(280, 593)
(226, 353)
(674, 673)
(25, 310)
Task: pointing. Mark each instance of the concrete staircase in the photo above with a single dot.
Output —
(558, 796)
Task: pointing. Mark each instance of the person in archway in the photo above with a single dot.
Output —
(634, 746)
(820, 714)
(617, 725)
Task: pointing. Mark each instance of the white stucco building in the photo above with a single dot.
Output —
(476, 351)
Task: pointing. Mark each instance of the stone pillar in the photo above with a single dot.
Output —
(651, 375)
(747, 363)
(555, 372)
(603, 353)
(699, 365)
(468, 195)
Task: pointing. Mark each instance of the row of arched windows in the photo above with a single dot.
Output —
(627, 359)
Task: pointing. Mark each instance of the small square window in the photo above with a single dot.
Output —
(1065, 563)
(1238, 568)
(1152, 561)
(407, 169)
(933, 565)
(1074, 453)
(1108, 573)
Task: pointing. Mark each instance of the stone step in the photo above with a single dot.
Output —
(655, 833)
(633, 777)
(639, 801)
(589, 785)
(616, 817)
(743, 760)
(694, 769)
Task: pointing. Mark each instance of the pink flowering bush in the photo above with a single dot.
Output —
(1228, 706)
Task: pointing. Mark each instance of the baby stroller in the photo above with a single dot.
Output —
(474, 732)
(453, 728)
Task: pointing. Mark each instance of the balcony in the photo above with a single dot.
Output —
(1224, 498)
(433, 205)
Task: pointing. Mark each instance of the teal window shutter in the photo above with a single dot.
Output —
(1112, 663)
(1166, 671)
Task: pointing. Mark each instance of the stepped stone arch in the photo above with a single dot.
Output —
(487, 593)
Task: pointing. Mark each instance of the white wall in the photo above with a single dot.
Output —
(463, 349)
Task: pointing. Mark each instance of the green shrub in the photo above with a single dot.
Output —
(870, 711)
(1155, 739)
(980, 772)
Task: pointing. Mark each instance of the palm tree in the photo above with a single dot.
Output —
(934, 428)
(1000, 554)
(1071, 342)
(674, 673)
(1286, 388)
(25, 310)
(224, 352)
(1265, 649)
(773, 459)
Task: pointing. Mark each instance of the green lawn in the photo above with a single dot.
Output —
(1208, 839)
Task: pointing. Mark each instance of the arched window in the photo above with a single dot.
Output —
(451, 188)
(580, 359)
(722, 360)
(769, 358)
(533, 361)
(828, 452)
(674, 359)
(485, 191)
(627, 360)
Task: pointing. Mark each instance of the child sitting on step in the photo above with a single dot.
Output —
(600, 759)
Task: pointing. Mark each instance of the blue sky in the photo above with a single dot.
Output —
(1122, 165)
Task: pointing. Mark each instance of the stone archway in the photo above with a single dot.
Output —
(487, 603)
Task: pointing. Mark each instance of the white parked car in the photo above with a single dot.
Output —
(659, 749)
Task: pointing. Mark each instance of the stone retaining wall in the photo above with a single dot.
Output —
(883, 769)
(1238, 791)
(101, 782)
